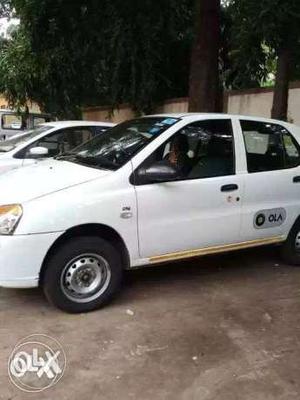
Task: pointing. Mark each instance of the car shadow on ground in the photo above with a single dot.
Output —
(235, 262)
(200, 271)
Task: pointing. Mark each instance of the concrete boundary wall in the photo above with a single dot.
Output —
(253, 102)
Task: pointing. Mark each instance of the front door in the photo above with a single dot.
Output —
(200, 209)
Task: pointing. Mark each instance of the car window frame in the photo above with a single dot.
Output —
(133, 177)
(4, 114)
(295, 142)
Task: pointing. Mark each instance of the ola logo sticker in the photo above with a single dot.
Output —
(269, 218)
(260, 219)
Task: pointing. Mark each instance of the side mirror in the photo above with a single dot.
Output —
(161, 171)
(38, 152)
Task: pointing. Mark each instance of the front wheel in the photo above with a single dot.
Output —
(83, 274)
(290, 250)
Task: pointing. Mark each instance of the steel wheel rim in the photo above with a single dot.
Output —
(85, 278)
(297, 242)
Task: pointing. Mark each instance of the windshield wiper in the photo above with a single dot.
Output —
(97, 161)
(62, 156)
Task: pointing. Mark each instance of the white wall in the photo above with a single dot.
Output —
(294, 105)
(260, 104)
(255, 102)
(251, 104)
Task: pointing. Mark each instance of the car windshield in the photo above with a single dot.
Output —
(115, 147)
(10, 144)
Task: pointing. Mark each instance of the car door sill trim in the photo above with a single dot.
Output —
(215, 249)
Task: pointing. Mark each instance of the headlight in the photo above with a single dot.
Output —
(9, 218)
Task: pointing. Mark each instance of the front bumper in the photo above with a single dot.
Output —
(21, 258)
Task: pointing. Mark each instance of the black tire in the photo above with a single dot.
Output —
(57, 267)
(289, 252)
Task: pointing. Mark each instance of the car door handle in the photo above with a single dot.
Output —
(229, 188)
(296, 179)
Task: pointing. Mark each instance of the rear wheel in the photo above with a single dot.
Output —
(83, 274)
(291, 248)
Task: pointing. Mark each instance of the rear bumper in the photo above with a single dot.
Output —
(21, 258)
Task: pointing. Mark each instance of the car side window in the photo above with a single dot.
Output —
(269, 147)
(62, 141)
(52, 142)
(38, 120)
(11, 121)
(203, 149)
(291, 151)
(74, 137)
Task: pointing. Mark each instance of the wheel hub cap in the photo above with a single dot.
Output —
(85, 278)
(297, 242)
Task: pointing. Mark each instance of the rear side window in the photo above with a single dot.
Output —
(38, 121)
(269, 147)
(11, 121)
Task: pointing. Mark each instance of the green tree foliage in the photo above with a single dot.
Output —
(264, 31)
(67, 54)
(245, 55)
(276, 21)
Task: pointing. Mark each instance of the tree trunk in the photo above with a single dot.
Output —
(281, 91)
(204, 89)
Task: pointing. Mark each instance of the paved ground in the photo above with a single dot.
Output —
(218, 328)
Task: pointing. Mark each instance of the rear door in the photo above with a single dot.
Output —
(272, 189)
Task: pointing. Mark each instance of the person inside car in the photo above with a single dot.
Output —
(178, 156)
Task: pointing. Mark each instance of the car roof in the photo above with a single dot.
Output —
(66, 124)
(216, 116)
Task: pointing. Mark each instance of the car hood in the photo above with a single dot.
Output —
(43, 178)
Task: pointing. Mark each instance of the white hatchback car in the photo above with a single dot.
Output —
(150, 190)
(47, 140)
